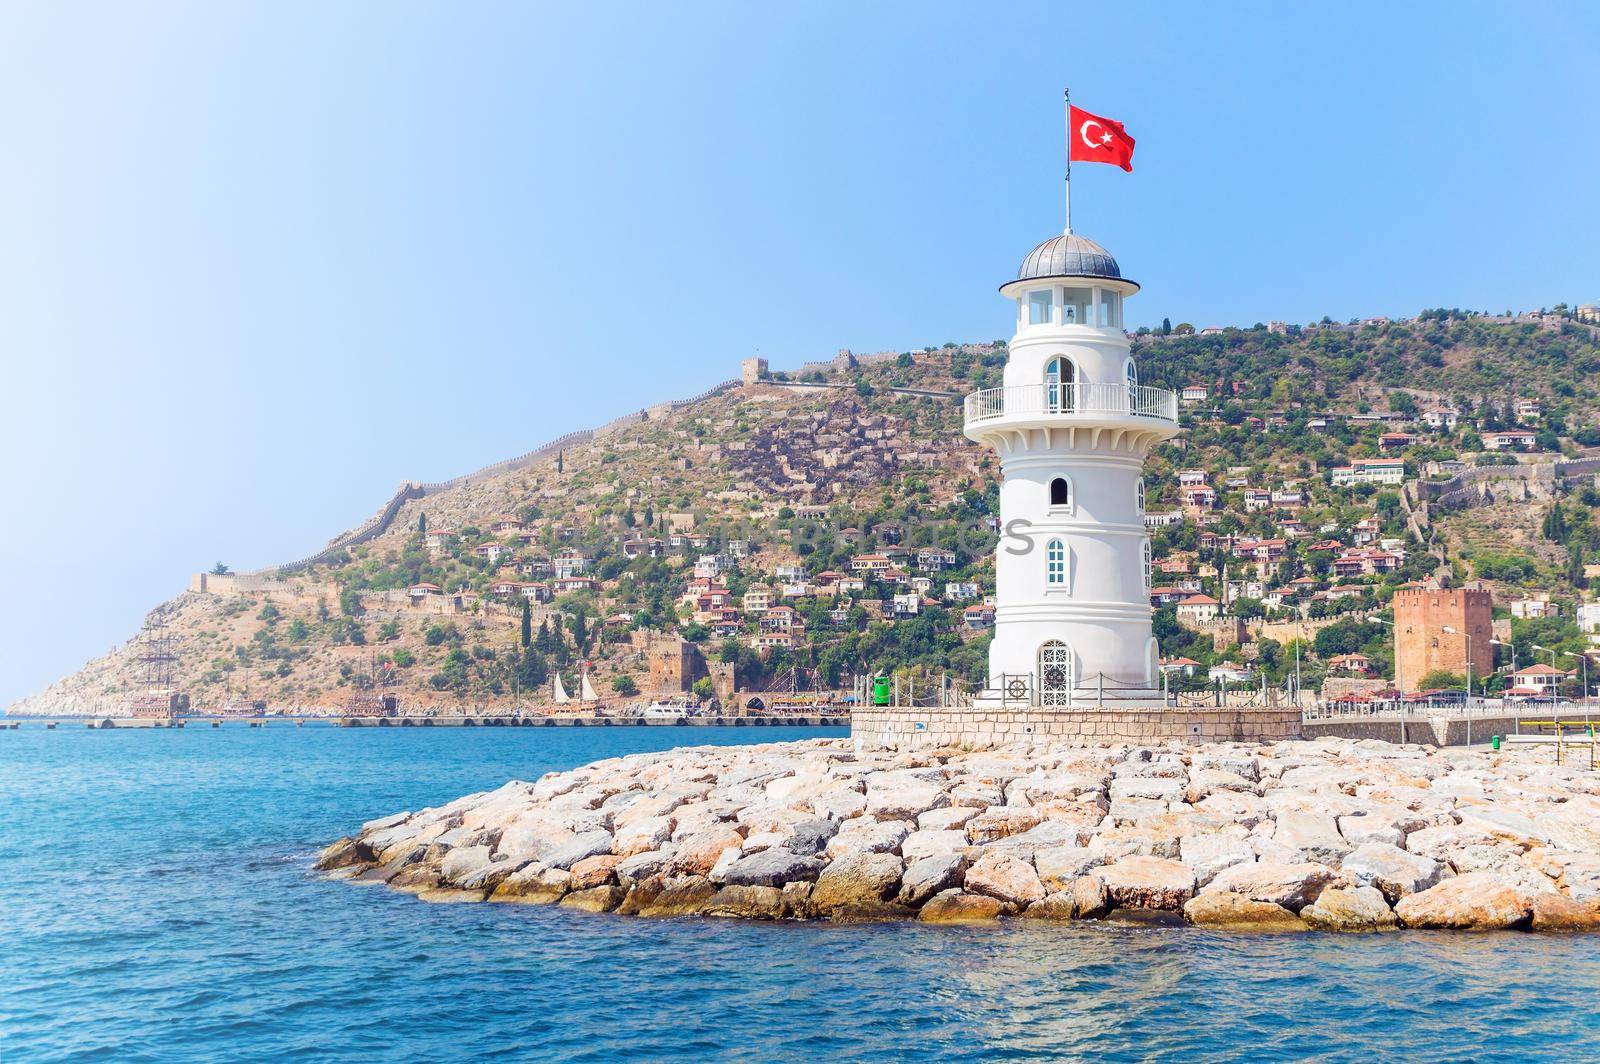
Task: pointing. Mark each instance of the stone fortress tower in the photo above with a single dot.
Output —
(1072, 426)
(1442, 630)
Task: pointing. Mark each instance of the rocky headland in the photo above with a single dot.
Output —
(1328, 835)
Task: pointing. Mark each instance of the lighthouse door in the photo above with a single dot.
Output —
(1055, 674)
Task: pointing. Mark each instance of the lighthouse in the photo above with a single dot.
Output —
(1072, 426)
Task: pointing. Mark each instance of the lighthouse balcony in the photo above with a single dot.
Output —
(1071, 404)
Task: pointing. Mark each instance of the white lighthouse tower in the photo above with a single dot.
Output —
(1072, 426)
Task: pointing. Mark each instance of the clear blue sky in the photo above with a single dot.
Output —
(331, 247)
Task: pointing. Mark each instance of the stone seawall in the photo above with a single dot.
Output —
(912, 728)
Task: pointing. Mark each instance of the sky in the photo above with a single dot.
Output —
(262, 262)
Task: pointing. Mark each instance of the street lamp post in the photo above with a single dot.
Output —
(1555, 685)
(1584, 658)
(1468, 636)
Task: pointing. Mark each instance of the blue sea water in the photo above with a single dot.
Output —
(157, 903)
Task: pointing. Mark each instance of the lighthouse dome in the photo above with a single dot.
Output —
(1068, 256)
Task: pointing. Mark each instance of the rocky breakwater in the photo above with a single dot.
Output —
(1328, 834)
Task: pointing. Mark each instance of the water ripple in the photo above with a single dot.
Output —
(156, 904)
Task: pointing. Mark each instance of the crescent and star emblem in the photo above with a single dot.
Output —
(1083, 134)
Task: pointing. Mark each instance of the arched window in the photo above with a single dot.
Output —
(1131, 372)
(1138, 495)
(1060, 379)
(1148, 564)
(1055, 674)
(1055, 565)
(1061, 494)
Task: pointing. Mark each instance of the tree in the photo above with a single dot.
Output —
(422, 524)
(1166, 326)
(220, 569)
(704, 688)
(625, 686)
(350, 602)
(527, 624)
(1441, 678)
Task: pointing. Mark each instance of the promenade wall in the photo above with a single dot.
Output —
(916, 728)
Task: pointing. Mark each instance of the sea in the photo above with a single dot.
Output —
(157, 903)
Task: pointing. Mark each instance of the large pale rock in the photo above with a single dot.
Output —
(810, 836)
(928, 876)
(639, 836)
(1210, 853)
(1502, 823)
(643, 865)
(955, 907)
(1083, 899)
(679, 896)
(920, 844)
(1002, 822)
(773, 868)
(595, 899)
(747, 903)
(864, 835)
(1360, 829)
(462, 861)
(1154, 789)
(1292, 886)
(1139, 882)
(1476, 901)
(1060, 866)
(534, 884)
(895, 796)
(1235, 912)
(595, 871)
(585, 845)
(1395, 872)
(698, 854)
(840, 804)
(1553, 912)
(949, 818)
(1006, 877)
(1349, 909)
(856, 881)
(345, 853)
(1312, 837)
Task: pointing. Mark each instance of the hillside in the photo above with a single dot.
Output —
(768, 490)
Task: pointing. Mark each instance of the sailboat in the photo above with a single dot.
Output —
(586, 690)
(562, 698)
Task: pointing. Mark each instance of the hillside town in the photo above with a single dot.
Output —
(789, 534)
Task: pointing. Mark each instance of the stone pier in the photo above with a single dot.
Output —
(915, 728)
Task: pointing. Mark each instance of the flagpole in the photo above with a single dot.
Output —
(1066, 102)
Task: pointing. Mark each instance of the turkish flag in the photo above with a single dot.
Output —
(1100, 140)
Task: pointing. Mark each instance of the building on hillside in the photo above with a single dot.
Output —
(1396, 441)
(757, 598)
(1535, 608)
(1198, 609)
(1441, 418)
(1195, 393)
(1509, 440)
(1370, 471)
(961, 590)
(1183, 666)
(978, 617)
(1350, 665)
(1441, 630)
(1528, 410)
(1536, 681)
(570, 564)
(1589, 617)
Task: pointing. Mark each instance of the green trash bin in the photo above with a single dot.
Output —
(1494, 741)
(880, 690)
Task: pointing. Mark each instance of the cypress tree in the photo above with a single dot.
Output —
(527, 624)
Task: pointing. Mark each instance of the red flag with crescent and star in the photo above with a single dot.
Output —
(1100, 140)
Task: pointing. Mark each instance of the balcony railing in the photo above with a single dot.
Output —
(1073, 400)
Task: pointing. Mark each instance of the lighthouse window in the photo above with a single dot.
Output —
(1132, 373)
(1147, 565)
(1038, 308)
(1076, 304)
(1055, 564)
(1060, 492)
(1110, 310)
(1138, 494)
